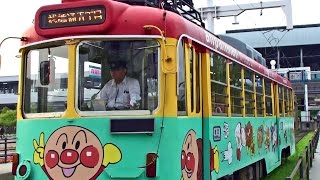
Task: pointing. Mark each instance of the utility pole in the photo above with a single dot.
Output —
(211, 11)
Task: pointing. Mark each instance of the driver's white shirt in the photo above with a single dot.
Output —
(123, 94)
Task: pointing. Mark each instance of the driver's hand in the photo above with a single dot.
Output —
(135, 106)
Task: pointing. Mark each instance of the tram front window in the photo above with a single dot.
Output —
(117, 75)
(45, 78)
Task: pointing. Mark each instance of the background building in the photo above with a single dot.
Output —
(9, 86)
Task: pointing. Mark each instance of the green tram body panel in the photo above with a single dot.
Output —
(242, 141)
(233, 144)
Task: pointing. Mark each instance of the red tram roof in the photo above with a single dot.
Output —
(123, 19)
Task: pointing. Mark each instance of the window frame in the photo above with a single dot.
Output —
(215, 82)
(25, 51)
(119, 112)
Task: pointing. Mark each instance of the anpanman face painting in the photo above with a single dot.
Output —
(190, 157)
(73, 153)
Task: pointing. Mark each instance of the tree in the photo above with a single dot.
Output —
(8, 117)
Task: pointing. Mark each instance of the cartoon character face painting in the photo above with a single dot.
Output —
(240, 136)
(73, 152)
(190, 157)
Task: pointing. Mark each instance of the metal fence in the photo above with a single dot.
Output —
(7, 148)
(305, 159)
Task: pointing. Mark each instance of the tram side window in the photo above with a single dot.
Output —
(117, 75)
(290, 102)
(197, 76)
(191, 78)
(45, 79)
(259, 95)
(249, 92)
(181, 86)
(280, 95)
(294, 105)
(235, 88)
(218, 84)
(286, 102)
(268, 90)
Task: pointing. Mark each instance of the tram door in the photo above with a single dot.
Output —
(197, 83)
(194, 82)
(189, 84)
(194, 62)
(200, 78)
(197, 109)
(275, 127)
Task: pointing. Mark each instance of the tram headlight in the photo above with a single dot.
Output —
(23, 170)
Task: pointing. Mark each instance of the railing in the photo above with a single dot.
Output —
(7, 148)
(305, 159)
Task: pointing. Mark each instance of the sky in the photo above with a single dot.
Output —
(17, 15)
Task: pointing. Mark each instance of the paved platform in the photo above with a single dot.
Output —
(5, 167)
(315, 170)
(5, 171)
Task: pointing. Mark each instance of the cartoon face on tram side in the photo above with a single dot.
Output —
(191, 157)
(191, 161)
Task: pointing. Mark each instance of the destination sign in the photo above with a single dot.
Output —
(80, 16)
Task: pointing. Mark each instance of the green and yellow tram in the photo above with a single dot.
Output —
(206, 111)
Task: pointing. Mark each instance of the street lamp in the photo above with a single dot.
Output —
(21, 39)
(273, 64)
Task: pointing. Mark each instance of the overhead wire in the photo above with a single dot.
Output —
(267, 39)
(275, 47)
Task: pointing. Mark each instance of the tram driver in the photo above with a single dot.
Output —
(121, 92)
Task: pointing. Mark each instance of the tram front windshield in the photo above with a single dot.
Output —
(45, 78)
(117, 75)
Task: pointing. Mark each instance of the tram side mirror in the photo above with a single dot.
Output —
(45, 72)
